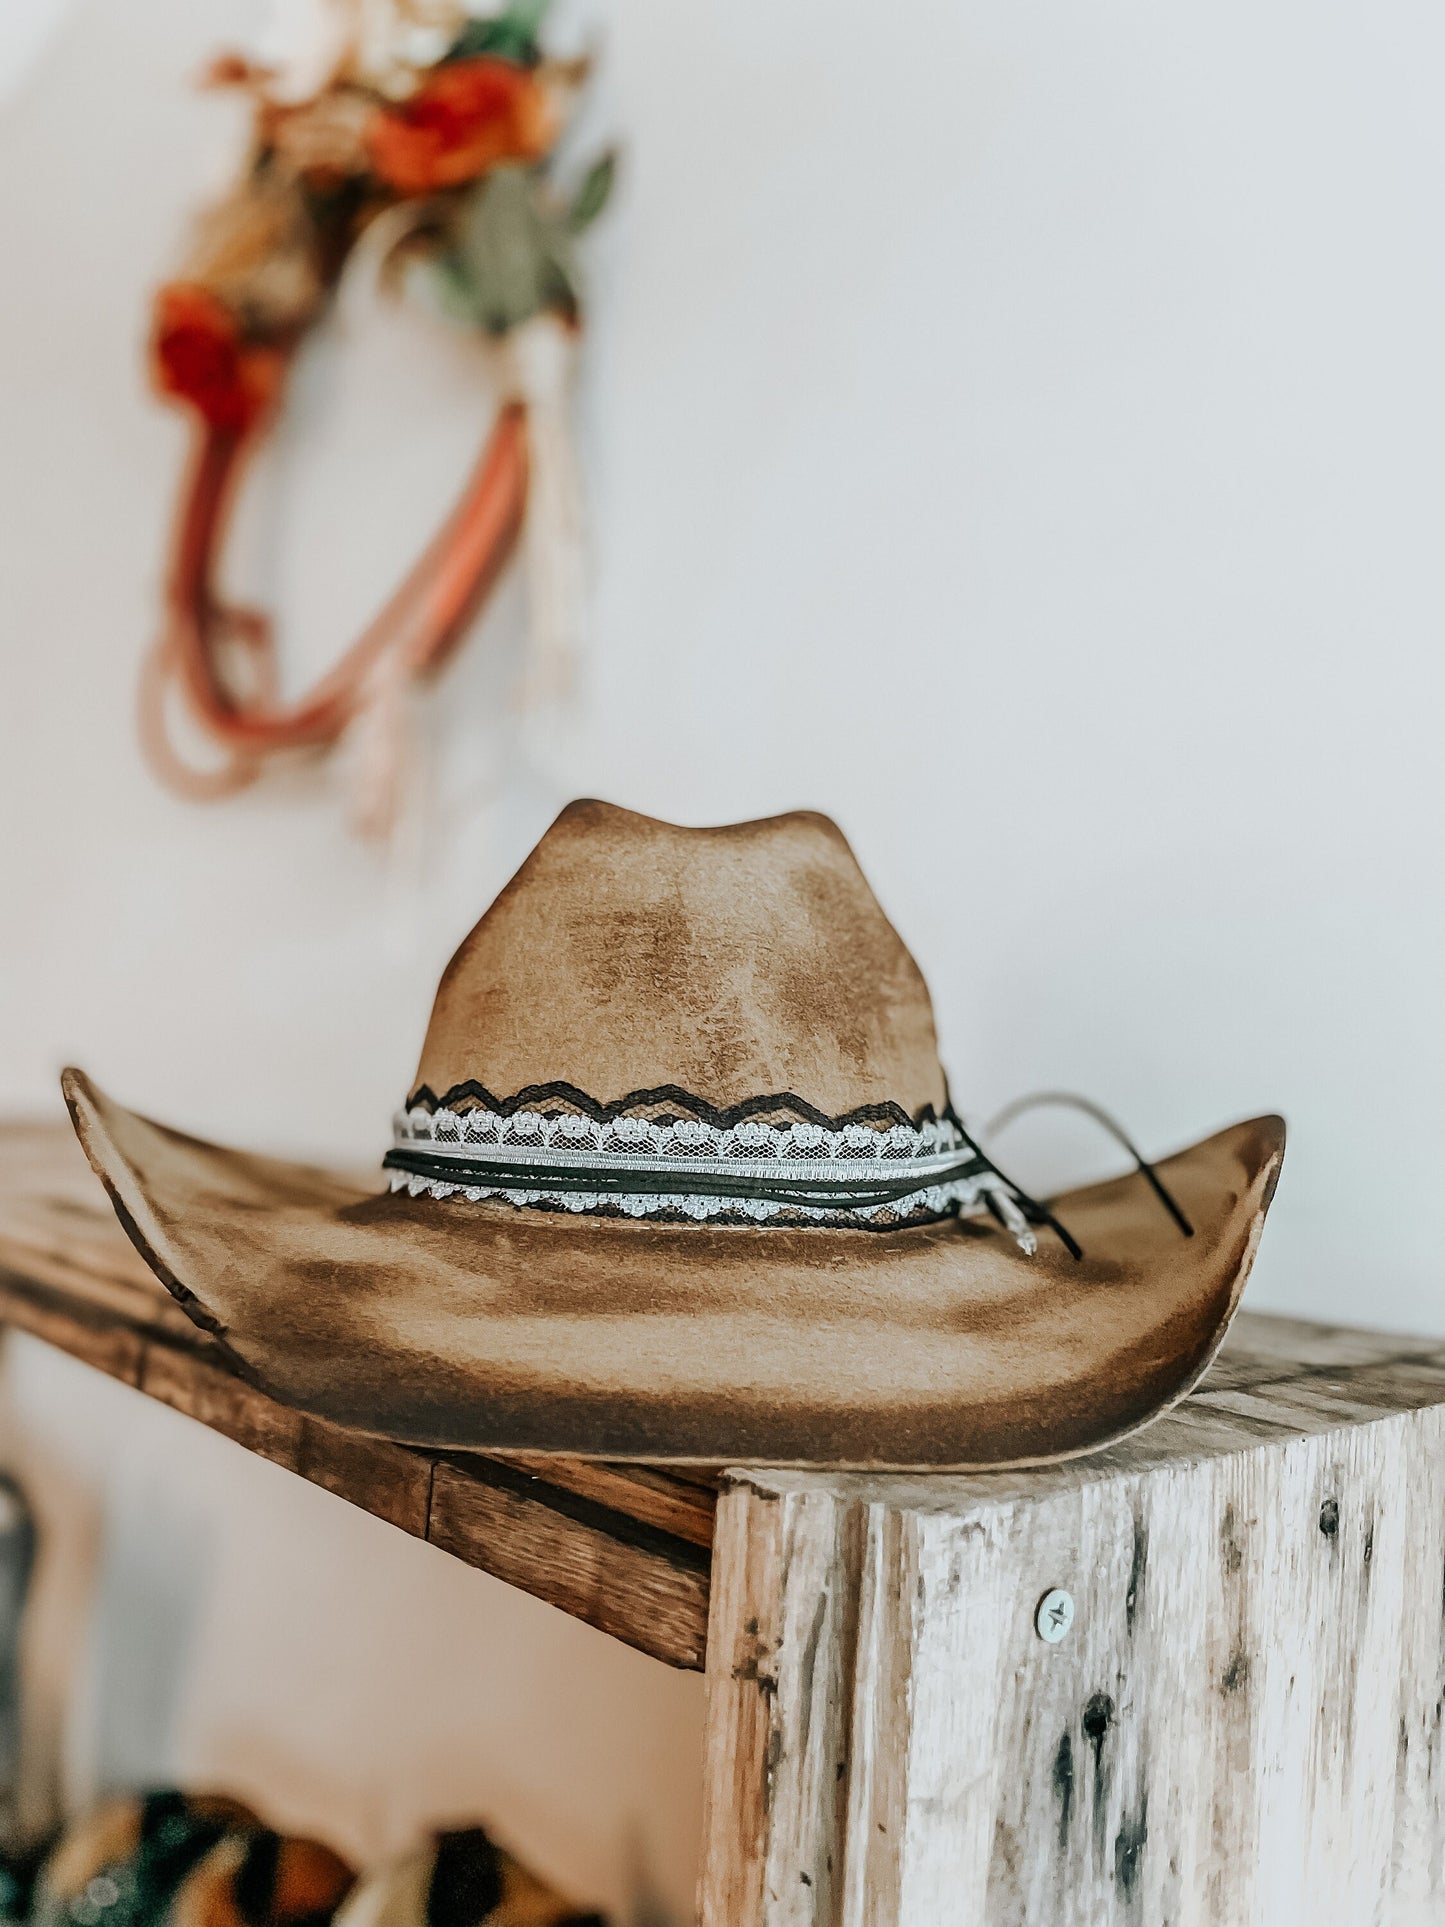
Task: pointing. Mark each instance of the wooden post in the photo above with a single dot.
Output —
(1243, 1726)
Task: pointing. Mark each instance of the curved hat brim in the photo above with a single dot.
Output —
(449, 1324)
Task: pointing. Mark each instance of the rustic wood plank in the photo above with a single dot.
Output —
(655, 1496)
(218, 1399)
(622, 1547)
(57, 1228)
(383, 1479)
(620, 1575)
(111, 1344)
(1242, 1728)
(1293, 1347)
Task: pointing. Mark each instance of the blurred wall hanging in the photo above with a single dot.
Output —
(399, 132)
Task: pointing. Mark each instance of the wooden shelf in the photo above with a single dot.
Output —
(625, 1548)
(1256, 1576)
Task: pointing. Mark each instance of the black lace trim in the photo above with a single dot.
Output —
(784, 1220)
(667, 1104)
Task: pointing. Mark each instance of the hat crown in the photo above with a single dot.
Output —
(629, 956)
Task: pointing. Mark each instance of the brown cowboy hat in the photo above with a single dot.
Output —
(680, 1180)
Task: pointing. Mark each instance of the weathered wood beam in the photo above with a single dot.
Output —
(1243, 1727)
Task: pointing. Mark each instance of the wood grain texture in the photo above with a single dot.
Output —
(1244, 1727)
(624, 1548)
(620, 1575)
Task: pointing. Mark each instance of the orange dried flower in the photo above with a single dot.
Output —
(233, 70)
(322, 140)
(200, 357)
(258, 251)
(466, 117)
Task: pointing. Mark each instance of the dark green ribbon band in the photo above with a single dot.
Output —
(620, 1180)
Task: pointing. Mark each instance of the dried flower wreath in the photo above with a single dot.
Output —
(411, 131)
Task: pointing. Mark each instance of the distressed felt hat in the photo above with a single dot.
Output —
(679, 1179)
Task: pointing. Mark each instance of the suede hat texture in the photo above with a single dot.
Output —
(638, 996)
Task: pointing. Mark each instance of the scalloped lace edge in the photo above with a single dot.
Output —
(684, 1139)
(721, 1117)
(967, 1198)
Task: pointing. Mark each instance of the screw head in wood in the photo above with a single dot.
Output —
(1055, 1615)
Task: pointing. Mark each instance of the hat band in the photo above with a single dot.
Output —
(694, 1171)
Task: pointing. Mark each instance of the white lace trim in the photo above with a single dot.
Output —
(750, 1149)
(688, 1139)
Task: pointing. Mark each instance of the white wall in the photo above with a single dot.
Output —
(1015, 430)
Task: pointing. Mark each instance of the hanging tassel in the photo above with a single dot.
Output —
(379, 745)
(536, 363)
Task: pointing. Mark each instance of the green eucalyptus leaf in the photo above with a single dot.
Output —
(560, 282)
(510, 35)
(456, 295)
(594, 193)
(515, 252)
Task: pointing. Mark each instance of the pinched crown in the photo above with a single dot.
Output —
(747, 968)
